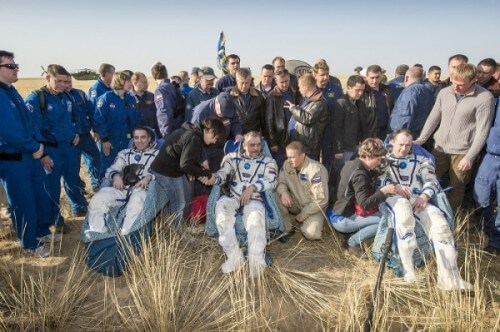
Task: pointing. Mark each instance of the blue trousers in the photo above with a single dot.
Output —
(179, 194)
(23, 183)
(88, 148)
(362, 227)
(487, 184)
(66, 165)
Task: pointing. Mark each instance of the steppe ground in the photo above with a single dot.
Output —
(176, 285)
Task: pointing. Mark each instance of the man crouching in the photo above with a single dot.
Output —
(249, 173)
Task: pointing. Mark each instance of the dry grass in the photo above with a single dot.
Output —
(176, 285)
(46, 299)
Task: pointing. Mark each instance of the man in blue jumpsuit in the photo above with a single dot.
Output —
(227, 81)
(52, 111)
(397, 84)
(87, 146)
(413, 105)
(221, 107)
(487, 183)
(102, 85)
(20, 170)
(165, 101)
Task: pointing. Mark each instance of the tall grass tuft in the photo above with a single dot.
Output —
(44, 298)
(175, 284)
(172, 288)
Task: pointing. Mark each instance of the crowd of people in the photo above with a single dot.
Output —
(327, 153)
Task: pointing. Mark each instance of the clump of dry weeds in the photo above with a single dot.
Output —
(44, 298)
(175, 284)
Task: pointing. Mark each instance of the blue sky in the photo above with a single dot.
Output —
(182, 34)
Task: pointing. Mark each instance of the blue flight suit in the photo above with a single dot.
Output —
(331, 93)
(87, 146)
(206, 110)
(147, 108)
(431, 87)
(488, 182)
(165, 101)
(225, 83)
(396, 85)
(59, 126)
(114, 120)
(195, 97)
(412, 108)
(186, 89)
(97, 90)
(230, 118)
(21, 175)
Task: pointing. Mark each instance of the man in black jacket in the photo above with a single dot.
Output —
(309, 118)
(378, 101)
(181, 155)
(349, 128)
(277, 116)
(248, 102)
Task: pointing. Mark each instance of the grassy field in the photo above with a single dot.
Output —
(177, 286)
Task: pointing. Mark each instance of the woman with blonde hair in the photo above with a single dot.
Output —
(356, 208)
(115, 117)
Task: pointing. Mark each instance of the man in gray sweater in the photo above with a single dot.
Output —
(462, 114)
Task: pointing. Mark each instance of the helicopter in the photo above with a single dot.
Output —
(84, 74)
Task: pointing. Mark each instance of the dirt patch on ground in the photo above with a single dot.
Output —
(311, 285)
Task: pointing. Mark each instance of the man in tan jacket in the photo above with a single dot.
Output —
(303, 191)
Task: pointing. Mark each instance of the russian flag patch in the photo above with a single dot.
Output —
(316, 179)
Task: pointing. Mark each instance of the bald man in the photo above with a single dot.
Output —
(414, 103)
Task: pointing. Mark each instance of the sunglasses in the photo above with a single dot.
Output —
(12, 66)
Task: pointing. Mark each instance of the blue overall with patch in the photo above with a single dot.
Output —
(59, 126)
(97, 90)
(21, 175)
(114, 120)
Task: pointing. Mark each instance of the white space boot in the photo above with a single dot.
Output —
(406, 249)
(406, 238)
(257, 265)
(448, 277)
(234, 260)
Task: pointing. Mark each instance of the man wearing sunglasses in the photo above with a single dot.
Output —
(20, 171)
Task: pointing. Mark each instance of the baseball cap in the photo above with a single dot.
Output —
(226, 102)
(207, 73)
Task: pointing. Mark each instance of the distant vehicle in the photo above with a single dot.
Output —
(297, 67)
(85, 74)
